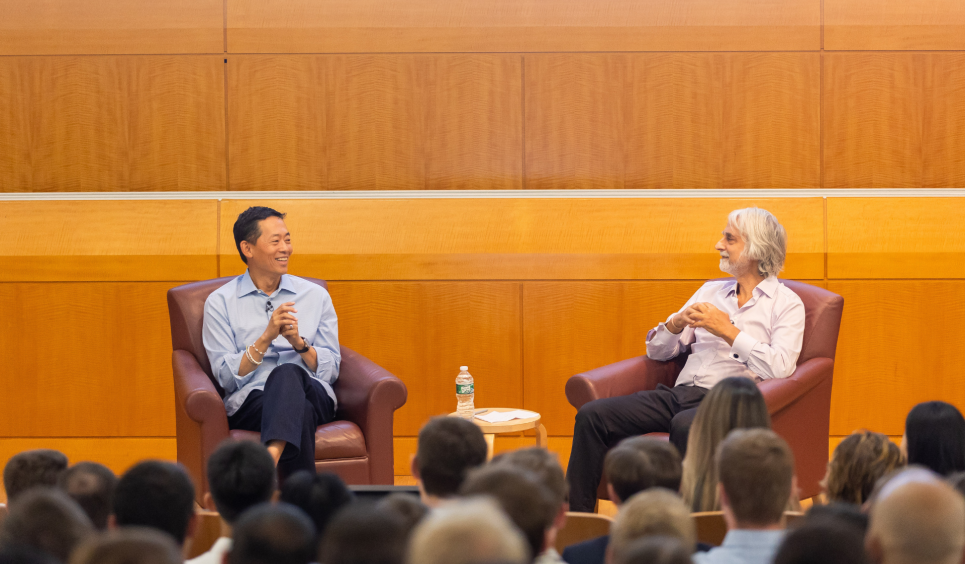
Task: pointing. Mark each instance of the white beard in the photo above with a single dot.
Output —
(735, 269)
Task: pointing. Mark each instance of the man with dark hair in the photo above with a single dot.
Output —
(277, 376)
(320, 496)
(159, 495)
(46, 520)
(448, 448)
(32, 468)
(91, 485)
(666, 467)
(273, 534)
(364, 534)
(241, 475)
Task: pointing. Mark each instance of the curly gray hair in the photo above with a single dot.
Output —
(764, 238)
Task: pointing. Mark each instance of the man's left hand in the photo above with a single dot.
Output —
(714, 321)
(290, 333)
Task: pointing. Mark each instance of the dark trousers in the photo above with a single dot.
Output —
(291, 406)
(601, 424)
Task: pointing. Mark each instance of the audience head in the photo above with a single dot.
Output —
(91, 485)
(917, 518)
(47, 520)
(407, 507)
(449, 447)
(544, 465)
(935, 437)
(859, 461)
(756, 469)
(156, 494)
(364, 534)
(472, 531)
(31, 469)
(655, 550)
(132, 545)
(320, 496)
(241, 474)
(839, 515)
(529, 504)
(247, 228)
(19, 554)
(664, 459)
(272, 534)
(822, 543)
(653, 512)
(627, 471)
(734, 403)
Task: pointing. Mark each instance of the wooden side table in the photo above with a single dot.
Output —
(490, 430)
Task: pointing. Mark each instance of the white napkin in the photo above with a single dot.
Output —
(500, 416)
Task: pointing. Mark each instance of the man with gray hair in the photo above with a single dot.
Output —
(750, 325)
(467, 531)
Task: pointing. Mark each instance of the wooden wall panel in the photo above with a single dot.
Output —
(90, 360)
(108, 241)
(896, 238)
(890, 357)
(423, 332)
(112, 123)
(748, 120)
(519, 239)
(324, 26)
(894, 24)
(80, 27)
(894, 120)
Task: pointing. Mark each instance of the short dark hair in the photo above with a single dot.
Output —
(247, 226)
(935, 437)
(406, 506)
(544, 465)
(756, 469)
(657, 549)
(448, 448)
(628, 472)
(664, 458)
(364, 534)
(155, 494)
(131, 545)
(824, 543)
(32, 468)
(838, 515)
(47, 520)
(91, 485)
(273, 534)
(320, 496)
(241, 474)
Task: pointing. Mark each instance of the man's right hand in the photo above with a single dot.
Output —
(280, 318)
(682, 320)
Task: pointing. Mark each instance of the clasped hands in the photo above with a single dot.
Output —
(707, 316)
(283, 322)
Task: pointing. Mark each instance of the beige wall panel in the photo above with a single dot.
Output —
(108, 241)
(79, 27)
(84, 124)
(896, 238)
(894, 120)
(91, 360)
(894, 24)
(522, 239)
(877, 376)
(286, 26)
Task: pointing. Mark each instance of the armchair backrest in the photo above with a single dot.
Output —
(186, 308)
(822, 319)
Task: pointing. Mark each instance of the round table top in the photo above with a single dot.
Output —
(504, 426)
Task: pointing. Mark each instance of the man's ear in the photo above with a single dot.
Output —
(111, 522)
(414, 466)
(246, 249)
(209, 502)
(613, 494)
(722, 495)
(192, 527)
(872, 546)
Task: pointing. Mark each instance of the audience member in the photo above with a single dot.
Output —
(363, 534)
(664, 459)
(448, 448)
(159, 495)
(957, 481)
(241, 475)
(132, 545)
(916, 518)
(822, 543)
(935, 437)
(528, 503)
(30, 469)
(19, 554)
(47, 520)
(838, 514)
(91, 485)
(859, 461)
(756, 470)
(734, 403)
(320, 496)
(467, 532)
(272, 534)
(407, 507)
(653, 512)
(655, 550)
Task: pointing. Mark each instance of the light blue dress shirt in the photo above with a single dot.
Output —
(742, 546)
(236, 315)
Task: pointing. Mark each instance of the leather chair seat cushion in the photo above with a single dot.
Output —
(338, 439)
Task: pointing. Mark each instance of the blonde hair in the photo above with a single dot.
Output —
(465, 532)
(764, 238)
(734, 403)
(859, 461)
(652, 512)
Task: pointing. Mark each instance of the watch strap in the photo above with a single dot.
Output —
(307, 346)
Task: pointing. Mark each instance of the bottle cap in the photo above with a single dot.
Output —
(464, 368)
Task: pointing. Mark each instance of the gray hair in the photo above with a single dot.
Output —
(466, 532)
(764, 238)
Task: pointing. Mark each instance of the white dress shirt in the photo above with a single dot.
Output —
(215, 554)
(771, 327)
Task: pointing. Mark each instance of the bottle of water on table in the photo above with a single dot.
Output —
(464, 394)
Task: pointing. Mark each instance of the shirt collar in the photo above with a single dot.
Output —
(767, 286)
(750, 538)
(246, 286)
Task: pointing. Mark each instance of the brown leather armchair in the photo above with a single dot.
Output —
(800, 405)
(357, 445)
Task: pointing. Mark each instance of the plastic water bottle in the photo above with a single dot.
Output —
(464, 394)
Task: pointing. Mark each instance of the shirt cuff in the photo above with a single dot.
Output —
(233, 362)
(742, 347)
(662, 336)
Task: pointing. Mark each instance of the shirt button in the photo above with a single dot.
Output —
(735, 356)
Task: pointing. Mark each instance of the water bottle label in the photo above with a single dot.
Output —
(463, 389)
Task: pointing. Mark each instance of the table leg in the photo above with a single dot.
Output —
(490, 441)
(541, 440)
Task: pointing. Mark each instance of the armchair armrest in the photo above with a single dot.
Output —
(621, 378)
(781, 392)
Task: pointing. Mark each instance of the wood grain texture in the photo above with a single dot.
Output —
(498, 239)
(80, 27)
(111, 123)
(324, 26)
(709, 120)
(423, 332)
(894, 25)
(894, 120)
(877, 238)
(404, 448)
(107, 371)
(108, 241)
(375, 122)
(877, 380)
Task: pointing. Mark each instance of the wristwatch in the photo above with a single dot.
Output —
(307, 346)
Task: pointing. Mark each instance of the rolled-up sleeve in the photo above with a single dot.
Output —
(665, 345)
(779, 358)
(219, 345)
(325, 343)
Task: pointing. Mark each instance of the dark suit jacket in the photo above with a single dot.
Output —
(592, 551)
